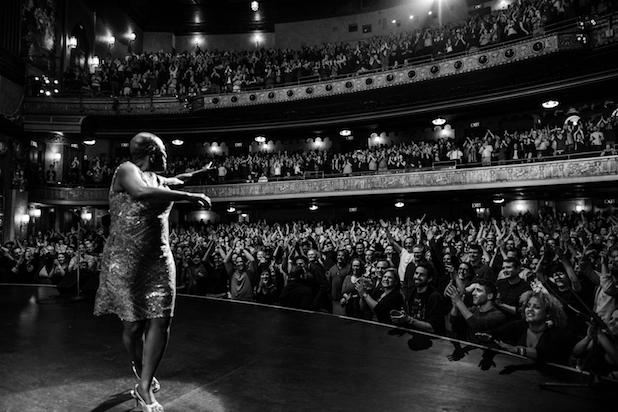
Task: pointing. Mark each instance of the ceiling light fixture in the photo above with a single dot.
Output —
(498, 200)
(90, 142)
(550, 104)
(231, 209)
(260, 139)
(177, 142)
(439, 121)
(313, 207)
(399, 204)
(345, 132)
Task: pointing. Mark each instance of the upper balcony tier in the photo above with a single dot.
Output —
(418, 72)
(497, 178)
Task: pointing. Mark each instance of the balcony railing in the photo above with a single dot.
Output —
(450, 177)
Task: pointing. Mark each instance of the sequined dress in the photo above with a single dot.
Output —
(138, 275)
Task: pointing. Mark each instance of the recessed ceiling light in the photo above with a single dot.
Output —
(439, 121)
(550, 104)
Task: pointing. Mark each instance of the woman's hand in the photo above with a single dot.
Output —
(201, 199)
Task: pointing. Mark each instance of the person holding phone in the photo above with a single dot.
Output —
(138, 275)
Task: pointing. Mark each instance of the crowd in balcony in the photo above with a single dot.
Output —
(592, 134)
(214, 71)
(489, 280)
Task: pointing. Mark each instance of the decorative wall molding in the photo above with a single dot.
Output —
(498, 177)
(471, 61)
(576, 171)
(103, 106)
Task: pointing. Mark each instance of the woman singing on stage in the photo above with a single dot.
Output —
(138, 279)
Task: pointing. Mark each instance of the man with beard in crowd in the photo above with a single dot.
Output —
(425, 306)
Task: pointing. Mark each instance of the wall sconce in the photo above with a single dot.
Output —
(34, 213)
(72, 43)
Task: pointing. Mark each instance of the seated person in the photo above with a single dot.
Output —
(387, 298)
(484, 316)
(542, 335)
(425, 308)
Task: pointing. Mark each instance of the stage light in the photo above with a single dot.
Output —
(255, 6)
(580, 208)
(550, 104)
(520, 207)
(56, 157)
(411, 17)
(41, 91)
(399, 204)
(244, 215)
(72, 43)
(439, 121)
(260, 139)
(23, 219)
(394, 21)
(34, 212)
(56, 81)
(132, 36)
(313, 207)
(231, 209)
(47, 93)
(345, 132)
(177, 142)
(36, 78)
(498, 200)
(429, 13)
(46, 81)
(90, 142)
(197, 40)
(56, 91)
(258, 38)
(111, 40)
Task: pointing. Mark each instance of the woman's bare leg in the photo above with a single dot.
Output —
(155, 341)
(133, 339)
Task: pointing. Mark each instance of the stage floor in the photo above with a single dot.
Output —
(229, 356)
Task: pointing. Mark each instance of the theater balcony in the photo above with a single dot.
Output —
(554, 62)
(520, 176)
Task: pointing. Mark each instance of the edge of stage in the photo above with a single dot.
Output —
(240, 356)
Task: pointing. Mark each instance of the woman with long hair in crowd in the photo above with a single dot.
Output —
(138, 276)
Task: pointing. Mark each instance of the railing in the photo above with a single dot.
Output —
(572, 169)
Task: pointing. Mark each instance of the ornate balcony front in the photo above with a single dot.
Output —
(530, 175)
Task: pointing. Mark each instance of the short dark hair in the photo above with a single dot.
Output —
(514, 261)
(427, 267)
(490, 287)
(476, 247)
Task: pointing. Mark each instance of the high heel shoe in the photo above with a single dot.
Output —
(156, 386)
(146, 407)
